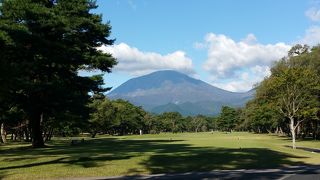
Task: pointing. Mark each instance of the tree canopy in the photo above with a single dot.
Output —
(289, 98)
(44, 44)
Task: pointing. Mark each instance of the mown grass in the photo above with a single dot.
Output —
(146, 154)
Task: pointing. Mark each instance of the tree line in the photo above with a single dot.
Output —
(120, 117)
(288, 100)
(113, 117)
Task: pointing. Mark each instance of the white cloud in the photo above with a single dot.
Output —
(312, 36)
(136, 62)
(235, 86)
(226, 56)
(250, 39)
(198, 45)
(313, 14)
(238, 65)
(246, 80)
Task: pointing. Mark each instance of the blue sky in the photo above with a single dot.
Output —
(227, 43)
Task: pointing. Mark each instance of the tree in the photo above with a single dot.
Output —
(102, 116)
(171, 120)
(294, 88)
(228, 118)
(259, 115)
(128, 118)
(198, 122)
(55, 40)
(153, 125)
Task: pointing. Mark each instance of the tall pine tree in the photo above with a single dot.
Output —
(44, 44)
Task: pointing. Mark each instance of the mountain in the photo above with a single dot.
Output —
(168, 90)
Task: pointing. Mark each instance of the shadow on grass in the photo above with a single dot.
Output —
(3, 174)
(166, 156)
(312, 150)
(82, 161)
(206, 159)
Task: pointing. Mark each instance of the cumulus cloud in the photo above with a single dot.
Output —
(312, 36)
(136, 62)
(250, 39)
(245, 80)
(228, 61)
(313, 14)
(226, 56)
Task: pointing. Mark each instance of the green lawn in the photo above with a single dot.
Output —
(164, 153)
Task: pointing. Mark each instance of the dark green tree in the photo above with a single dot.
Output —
(170, 121)
(260, 116)
(228, 119)
(128, 118)
(152, 124)
(102, 117)
(44, 44)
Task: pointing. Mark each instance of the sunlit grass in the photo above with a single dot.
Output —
(128, 155)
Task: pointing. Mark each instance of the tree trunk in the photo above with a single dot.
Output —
(37, 139)
(299, 131)
(50, 134)
(45, 135)
(315, 128)
(93, 134)
(317, 131)
(293, 132)
(281, 131)
(3, 134)
(26, 133)
(19, 132)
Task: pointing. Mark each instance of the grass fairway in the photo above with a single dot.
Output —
(164, 153)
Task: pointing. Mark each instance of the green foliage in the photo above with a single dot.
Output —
(171, 121)
(115, 117)
(260, 117)
(228, 119)
(43, 46)
(119, 117)
(129, 118)
(290, 93)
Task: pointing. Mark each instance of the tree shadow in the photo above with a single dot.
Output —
(312, 150)
(85, 162)
(165, 156)
(207, 159)
(93, 153)
(3, 174)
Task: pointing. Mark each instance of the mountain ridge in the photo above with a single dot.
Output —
(170, 72)
(159, 89)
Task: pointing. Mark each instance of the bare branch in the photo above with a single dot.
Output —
(300, 121)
